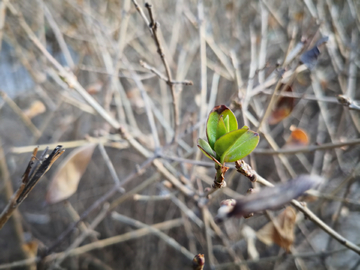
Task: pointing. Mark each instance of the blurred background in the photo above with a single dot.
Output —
(73, 72)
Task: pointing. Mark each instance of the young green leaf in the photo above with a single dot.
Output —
(242, 147)
(215, 116)
(227, 124)
(222, 145)
(236, 145)
(205, 147)
(211, 128)
(221, 128)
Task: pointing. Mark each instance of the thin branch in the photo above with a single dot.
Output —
(285, 256)
(140, 170)
(109, 140)
(20, 113)
(168, 240)
(2, 19)
(59, 36)
(307, 149)
(154, 27)
(166, 225)
(310, 215)
(161, 76)
(110, 166)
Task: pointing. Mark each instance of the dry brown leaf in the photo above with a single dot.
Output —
(284, 234)
(297, 138)
(36, 108)
(283, 107)
(66, 179)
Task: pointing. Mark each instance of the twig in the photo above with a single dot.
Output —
(306, 149)
(219, 53)
(2, 19)
(71, 80)
(119, 143)
(98, 203)
(348, 102)
(188, 212)
(83, 235)
(214, 90)
(75, 217)
(154, 27)
(309, 214)
(170, 241)
(209, 247)
(110, 166)
(59, 36)
(20, 263)
(203, 60)
(34, 171)
(263, 44)
(141, 12)
(275, 258)
(140, 197)
(161, 76)
(146, 98)
(20, 113)
(306, 97)
(275, 14)
(219, 181)
(169, 224)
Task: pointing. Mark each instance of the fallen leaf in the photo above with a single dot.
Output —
(298, 137)
(36, 108)
(282, 233)
(283, 107)
(66, 179)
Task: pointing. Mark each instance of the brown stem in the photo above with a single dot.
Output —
(154, 27)
(219, 181)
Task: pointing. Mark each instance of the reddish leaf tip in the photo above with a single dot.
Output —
(219, 109)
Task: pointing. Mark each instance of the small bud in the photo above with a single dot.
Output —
(198, 262)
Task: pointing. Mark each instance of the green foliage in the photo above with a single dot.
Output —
(227, 143)
(221, 121)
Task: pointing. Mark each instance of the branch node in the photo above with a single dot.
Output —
(245, 169)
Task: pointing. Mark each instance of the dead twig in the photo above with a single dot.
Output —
(170, 241)
(307, 149)
(153, 25)
(20, 113)
(161, 76)
(36, 168)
